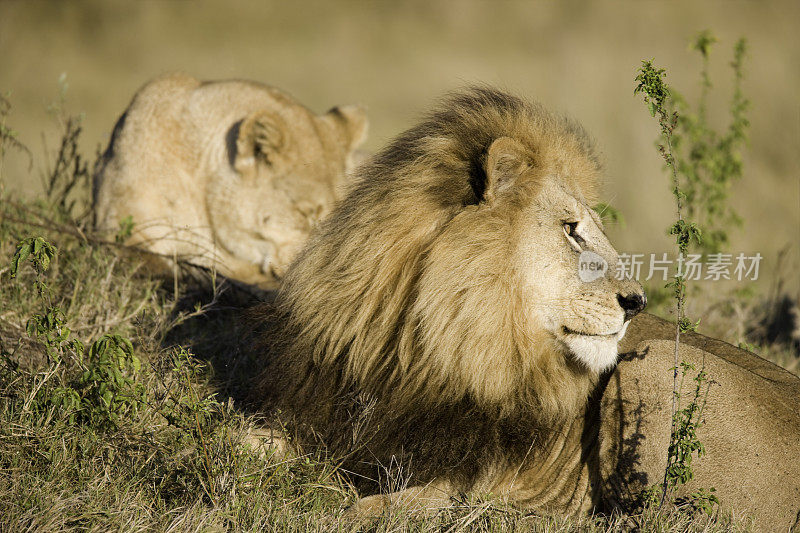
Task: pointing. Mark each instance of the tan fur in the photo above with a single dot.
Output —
(228, 174)
(424, 322)
(751, 425)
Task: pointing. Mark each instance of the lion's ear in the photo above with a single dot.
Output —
(261, 137)
(350, 122)
(506, 160)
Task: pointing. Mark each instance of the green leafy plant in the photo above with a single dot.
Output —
(684, 443)
(683, 437)
(702, 164)
(38, 250)
(108, 389)
(125, 229)
(609, 213)
(49, 326)
(702, 500)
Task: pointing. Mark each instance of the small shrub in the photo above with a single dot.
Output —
(702, 165)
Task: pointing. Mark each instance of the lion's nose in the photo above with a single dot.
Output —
(632, 304)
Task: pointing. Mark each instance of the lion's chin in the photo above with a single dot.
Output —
(597, 352)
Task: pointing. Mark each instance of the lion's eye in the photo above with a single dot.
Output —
(571, 231)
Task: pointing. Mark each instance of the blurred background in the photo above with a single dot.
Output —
(579, 58)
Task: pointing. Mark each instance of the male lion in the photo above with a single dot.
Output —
(437, 320)
(227, 174)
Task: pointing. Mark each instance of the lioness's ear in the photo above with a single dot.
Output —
(350, 121)
(261, 136)
(506, 159)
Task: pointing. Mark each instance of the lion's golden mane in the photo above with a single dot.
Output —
(398, 332)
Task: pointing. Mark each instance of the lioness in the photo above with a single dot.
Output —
(437, 320)
(225, 174)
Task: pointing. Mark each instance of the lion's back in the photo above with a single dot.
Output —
(750, 426)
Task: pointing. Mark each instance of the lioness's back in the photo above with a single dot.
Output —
(144, 133)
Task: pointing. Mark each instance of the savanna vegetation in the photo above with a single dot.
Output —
(120, 394)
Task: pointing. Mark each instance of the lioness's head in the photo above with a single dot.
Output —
(287, 168)
(451, 272)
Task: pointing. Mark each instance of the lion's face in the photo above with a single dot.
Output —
(561, 251)
(264, 216)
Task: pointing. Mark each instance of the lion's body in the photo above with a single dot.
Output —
(750, 429)
(435, 332)
(182, 166)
